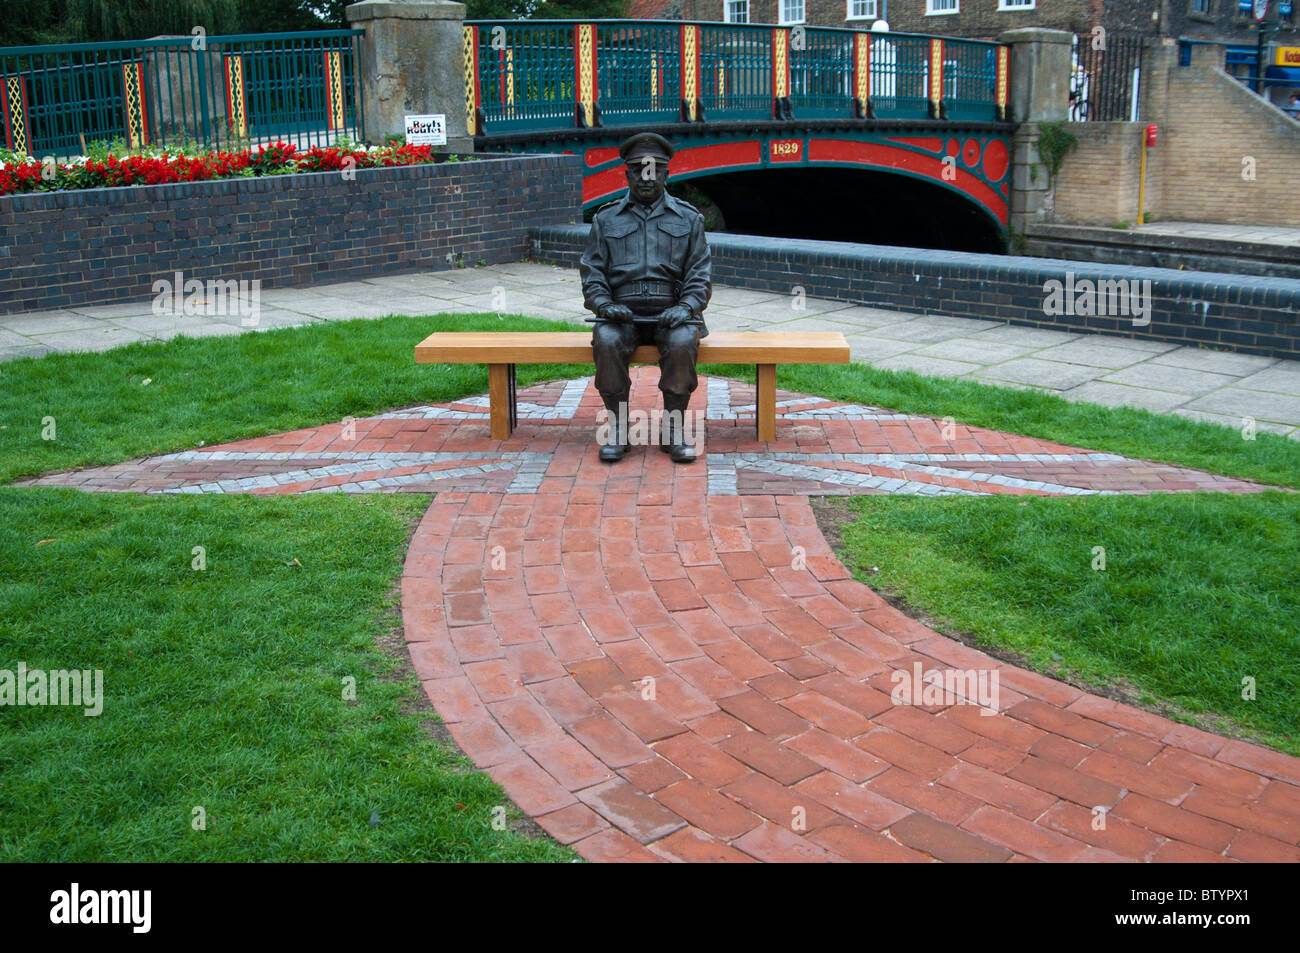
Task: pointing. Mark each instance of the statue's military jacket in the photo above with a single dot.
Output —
(632, 247)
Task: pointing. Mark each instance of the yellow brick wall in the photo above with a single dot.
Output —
(1212, 124)
(1209, 124)
(1098, 181)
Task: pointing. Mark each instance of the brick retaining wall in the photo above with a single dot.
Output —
(100, 246)
(1252, 315)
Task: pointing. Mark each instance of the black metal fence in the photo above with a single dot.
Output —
(1105, 77)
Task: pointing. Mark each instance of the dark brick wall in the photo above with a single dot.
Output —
(1252, 315)
(99, 246)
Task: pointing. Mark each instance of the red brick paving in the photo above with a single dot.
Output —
(644, 669)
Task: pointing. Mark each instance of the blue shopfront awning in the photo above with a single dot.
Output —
(1283, 76)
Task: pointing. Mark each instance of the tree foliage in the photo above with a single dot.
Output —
(63, 21)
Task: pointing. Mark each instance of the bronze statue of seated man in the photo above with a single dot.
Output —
(646, 277)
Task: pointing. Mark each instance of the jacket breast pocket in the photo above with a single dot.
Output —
(622, 241)
(674, 237)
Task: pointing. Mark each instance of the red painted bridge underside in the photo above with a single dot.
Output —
(748, 155)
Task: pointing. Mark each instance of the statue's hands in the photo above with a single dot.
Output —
(620, 313)
(676, 316)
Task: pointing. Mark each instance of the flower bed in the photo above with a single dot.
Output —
(155, 167)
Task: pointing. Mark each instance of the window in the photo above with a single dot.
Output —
(792, 11)
(1201, 6)
(735, 11)
(1017, 4)
(933, 7)
(861, 10)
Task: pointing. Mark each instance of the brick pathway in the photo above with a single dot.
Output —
(662, 662)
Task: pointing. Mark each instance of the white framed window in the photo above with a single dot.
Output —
(861, 10)
(1016, 4)
(792, 11)
(1201, 6)
(735, 11)
(936, 7)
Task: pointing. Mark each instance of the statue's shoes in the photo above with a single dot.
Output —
(682, 453)
(612, 452)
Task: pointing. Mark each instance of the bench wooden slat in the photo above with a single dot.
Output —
(574, 347)
(502, 350)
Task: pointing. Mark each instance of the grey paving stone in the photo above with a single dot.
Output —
(928, 330)
(30, 350)
(111, 312)
(1039, 373)
(864, 317)
(91, 339)
(973, 349)
(352, 290)
(1217, 362)
(1027, 337)
(1281, 378)
(934, 366)
(1235, 423)
(828, 322)
(1263, 406)
(1094, 353)
(340, 309)
(782, 308)
(13, 339)
(727, 296)
(265, 318)
(203, 329)
(869, 349)
(1180, 380)
(1118, 395)
(415, 282)
(49, 322)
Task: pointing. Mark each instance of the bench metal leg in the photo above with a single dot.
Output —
(501, 400)
(765, 401)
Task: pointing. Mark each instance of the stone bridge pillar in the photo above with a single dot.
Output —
(1040, 92)
(412, 62)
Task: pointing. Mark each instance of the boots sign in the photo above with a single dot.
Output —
(426, 130)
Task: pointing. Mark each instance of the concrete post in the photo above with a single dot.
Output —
(1040, 92)
(412, 62)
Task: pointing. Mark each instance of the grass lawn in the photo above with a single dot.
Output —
(214, 390)
(223, 687)
(1199, 592)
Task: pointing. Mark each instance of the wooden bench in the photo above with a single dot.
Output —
(502, 350)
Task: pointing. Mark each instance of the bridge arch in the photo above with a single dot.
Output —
(948, 168)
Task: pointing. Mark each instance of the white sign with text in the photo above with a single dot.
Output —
(426, 130)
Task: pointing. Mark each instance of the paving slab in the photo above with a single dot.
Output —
(1179, 380)
(1095, 353)
(1040, 373)
(1121, 395)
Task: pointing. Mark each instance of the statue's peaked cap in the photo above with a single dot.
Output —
(646, 143)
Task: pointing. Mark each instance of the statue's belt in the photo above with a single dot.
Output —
(646, 289)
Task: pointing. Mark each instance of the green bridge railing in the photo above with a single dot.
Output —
(534, 75)
(213, 90)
